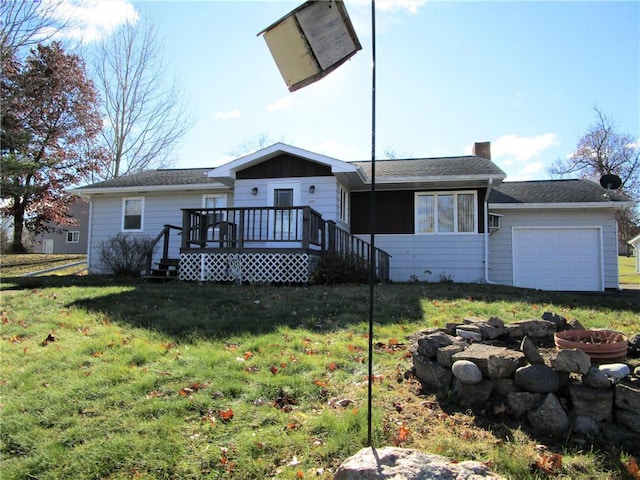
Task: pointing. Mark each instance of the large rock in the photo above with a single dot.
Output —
(549, 417)
(572, 361)
(531, 351)
(473, 395)
(531, 328)
(629, 420)
(494, 362)
(444, 354)
(521, 402)
(591, 402)
(391, 463)
(466, 371)
(429, 344)
(432, 375)
(537, 379)
(628, 395)
(616, 371)
(560, 321)
(596, 378)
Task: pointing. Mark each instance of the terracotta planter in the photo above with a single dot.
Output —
(598, 344)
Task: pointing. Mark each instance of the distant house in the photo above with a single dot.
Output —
(71, 239)
(269, 216)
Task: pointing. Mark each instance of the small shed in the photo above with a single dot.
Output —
(635, 243)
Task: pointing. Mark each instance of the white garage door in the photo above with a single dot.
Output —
(557, 258)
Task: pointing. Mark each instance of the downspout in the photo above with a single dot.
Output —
(89, 236)
(486, 233)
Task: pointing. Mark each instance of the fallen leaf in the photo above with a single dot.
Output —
(549, 464)
(185, 392)
(632, 467)
(273, 370)
(299, 474)
(248, 355)
(332, 366)
(225, 415)
(402, 436)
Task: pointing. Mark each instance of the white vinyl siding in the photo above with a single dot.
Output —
(501, 261)
(160, 209)
(446, 212)
(433, 258)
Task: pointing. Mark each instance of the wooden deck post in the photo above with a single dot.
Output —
(305, 227)
(186, 231)
(331, 247)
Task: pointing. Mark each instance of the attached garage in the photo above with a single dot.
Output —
(557, 258)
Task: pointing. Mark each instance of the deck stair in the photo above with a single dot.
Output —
(166, 269)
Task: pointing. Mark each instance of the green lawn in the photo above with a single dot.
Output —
(114, 379)
(627, 269)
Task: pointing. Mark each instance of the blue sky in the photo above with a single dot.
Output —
(523, 75)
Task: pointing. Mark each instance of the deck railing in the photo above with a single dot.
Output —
(256, 227)
(241, 229)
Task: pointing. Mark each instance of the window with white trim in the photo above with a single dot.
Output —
(132, 214)
(343, 205)
(73, 237)
(446, 212)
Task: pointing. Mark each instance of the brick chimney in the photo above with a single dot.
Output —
(482, 149)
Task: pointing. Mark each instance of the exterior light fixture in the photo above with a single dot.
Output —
(254, 191)
(312, 189)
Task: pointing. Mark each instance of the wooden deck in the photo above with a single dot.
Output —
(260, 244)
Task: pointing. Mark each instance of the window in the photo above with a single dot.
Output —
(343, 206)
(73, 237)
(214, 201)
(494, 221)
(132, 210)
(446, 212)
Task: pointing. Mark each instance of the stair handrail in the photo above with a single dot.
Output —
(164, 234)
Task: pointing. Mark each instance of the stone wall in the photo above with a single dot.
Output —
(514, 370)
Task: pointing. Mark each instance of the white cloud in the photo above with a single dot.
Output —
(90, 20)
(334, 149)
(411, 6)
(284, 103)
(227, 115)
(522, 149)
(529, 171)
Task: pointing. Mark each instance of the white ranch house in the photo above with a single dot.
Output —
(270, 215)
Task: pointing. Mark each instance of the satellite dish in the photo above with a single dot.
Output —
(610, 181)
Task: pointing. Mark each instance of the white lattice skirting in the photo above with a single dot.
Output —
(246, 267)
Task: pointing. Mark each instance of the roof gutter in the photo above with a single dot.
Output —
(564, 205)
(87, 192)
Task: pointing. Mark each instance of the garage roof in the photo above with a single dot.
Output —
(554, 191)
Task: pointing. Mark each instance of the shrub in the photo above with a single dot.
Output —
(333, 269)
(125, 255)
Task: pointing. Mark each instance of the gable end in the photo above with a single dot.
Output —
(284, 166)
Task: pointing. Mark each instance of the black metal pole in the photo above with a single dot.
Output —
(372, 219)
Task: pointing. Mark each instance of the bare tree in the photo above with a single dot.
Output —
(602, 150)
(391, 153)
(145, 116)
(26, 23)
(253, 144)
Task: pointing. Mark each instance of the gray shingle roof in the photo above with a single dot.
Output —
(553, 191)
(432, 167)
(149, 178)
